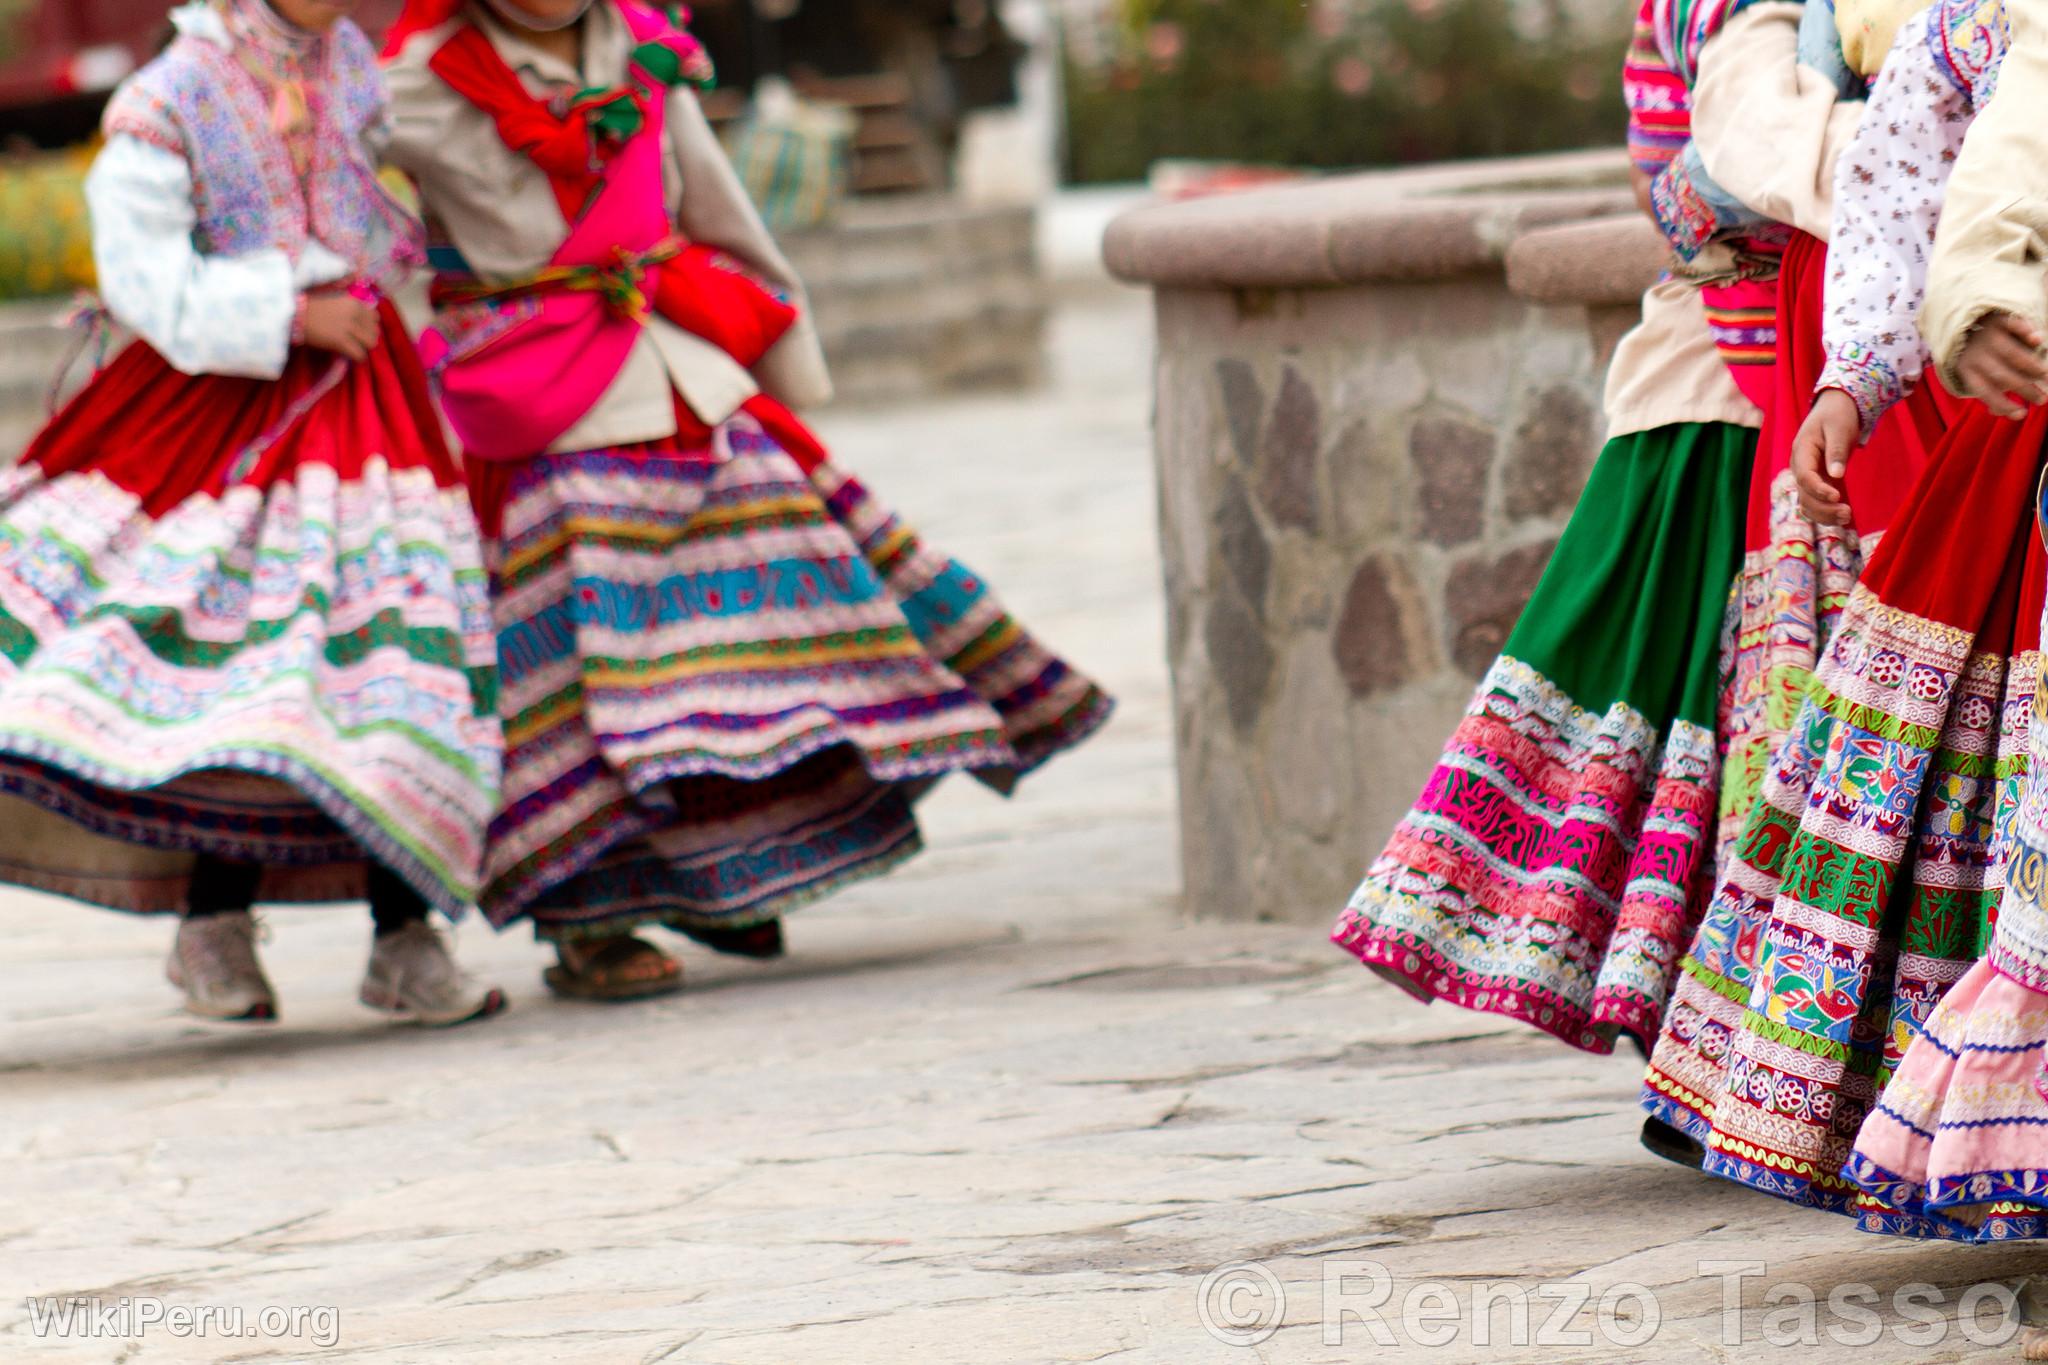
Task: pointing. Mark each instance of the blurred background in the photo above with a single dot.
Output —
(1333, 83)
(940, 170)
(987, 102)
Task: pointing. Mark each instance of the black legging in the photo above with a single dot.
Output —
(219, 886)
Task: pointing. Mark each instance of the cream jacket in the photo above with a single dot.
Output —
(1769, 131)
(1667, 369)
(1991, 248)
(1768, 128)
(495, 206)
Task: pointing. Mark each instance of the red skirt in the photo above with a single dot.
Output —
(1868, 872)
(1796, 576)
(127, 423)
(244, 618)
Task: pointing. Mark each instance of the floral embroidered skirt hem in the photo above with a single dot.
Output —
(247, 619)
(729, 672)
(1552, 868)
(1959, 1138)
(1862, 886)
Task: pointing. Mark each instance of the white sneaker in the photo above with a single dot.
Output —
(213, 961)
(413, 975)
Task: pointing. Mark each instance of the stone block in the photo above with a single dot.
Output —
(1242, 543)
(1424, 223)
(1369, 494)
(1217, 846)
(1381, 382)
(1288, 454)
(1374, 645)
(1607, 260)
(1551, 454)
(1244, 404)
(1240, 659)
(1483, 598)
(1307, 751)
(1452, 460)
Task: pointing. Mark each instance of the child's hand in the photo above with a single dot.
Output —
(342, 324)
(2001, 359)
(1820, 456)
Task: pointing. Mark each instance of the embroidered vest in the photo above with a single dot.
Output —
(1970, 38)
(197, 100)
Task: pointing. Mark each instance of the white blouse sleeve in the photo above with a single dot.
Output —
(1888, 196)
(204, 314)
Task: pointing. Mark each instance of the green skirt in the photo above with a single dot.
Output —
(1554, 865)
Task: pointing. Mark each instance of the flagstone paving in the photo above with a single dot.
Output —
(1006, 1106)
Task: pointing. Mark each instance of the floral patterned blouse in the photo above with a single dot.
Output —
(1888, 195)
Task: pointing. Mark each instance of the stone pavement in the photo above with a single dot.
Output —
(1005, 1106)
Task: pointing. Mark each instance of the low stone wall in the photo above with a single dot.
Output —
(1377, 399)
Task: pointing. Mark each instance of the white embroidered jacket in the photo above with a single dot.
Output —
(204, 314)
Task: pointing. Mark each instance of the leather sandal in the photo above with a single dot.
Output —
(605, 974)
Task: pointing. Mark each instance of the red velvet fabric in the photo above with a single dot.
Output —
(164, 435)
(1881, 473)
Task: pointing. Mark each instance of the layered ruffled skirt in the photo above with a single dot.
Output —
(1862, 886)
(1959, 1138)
(1553, 866)
(244, 618)
(728, 673)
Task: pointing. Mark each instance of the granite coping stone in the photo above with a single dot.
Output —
(1604, 261)
(1431, 222)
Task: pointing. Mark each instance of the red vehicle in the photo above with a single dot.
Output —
(64, 57)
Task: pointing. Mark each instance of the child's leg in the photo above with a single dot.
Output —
(393, 903)
(221, 887)
(412, 974)
(213, 959)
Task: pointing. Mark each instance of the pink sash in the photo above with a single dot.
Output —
(515, 373)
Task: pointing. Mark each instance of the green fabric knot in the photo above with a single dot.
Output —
(669, 62)
(614, 115)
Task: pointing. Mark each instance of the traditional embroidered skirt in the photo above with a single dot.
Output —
(244, 618)
(1862, 885)
(1796, 576)
(728, 674)
(1960, 1137)
(1553, 866)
